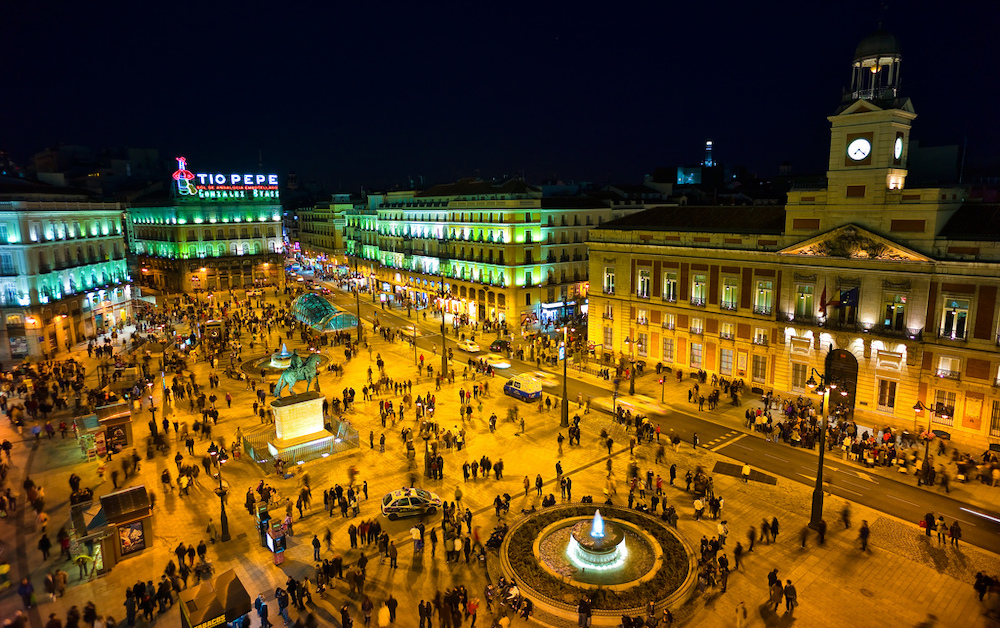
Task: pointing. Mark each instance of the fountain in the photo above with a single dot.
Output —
(595, 544)
(621, 558)
(281, 359)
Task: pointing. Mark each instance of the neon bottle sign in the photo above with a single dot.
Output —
(224, 186)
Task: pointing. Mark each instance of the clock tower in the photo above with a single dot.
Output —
(870, 130)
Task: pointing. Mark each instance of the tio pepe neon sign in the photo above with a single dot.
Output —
(224, 186)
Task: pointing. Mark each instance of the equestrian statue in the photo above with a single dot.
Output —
(298, 371)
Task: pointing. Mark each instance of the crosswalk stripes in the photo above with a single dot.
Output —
(726, 439)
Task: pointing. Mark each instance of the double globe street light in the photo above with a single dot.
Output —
(220, 456)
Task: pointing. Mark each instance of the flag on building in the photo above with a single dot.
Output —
(822, 302)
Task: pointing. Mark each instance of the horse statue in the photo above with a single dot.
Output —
(304, 371)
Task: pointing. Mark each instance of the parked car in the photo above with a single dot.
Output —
(468, 346)
(409, 502)
(254, 292)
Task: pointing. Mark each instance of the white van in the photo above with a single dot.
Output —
(523, 387)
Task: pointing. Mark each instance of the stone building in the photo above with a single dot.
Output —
(903, 278)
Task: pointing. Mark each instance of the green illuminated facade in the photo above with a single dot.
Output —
(499, 251)
(63, 273)
(190, 245)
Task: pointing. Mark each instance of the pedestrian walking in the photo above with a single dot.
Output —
(863, 533)
(791, 596)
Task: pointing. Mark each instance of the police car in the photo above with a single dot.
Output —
(407, 502)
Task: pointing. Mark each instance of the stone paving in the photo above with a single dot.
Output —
(900, 582)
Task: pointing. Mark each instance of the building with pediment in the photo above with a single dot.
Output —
(904, 278)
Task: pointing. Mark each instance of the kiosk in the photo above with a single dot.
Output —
(215, 602)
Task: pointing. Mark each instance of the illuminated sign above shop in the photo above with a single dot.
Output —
(224, 187)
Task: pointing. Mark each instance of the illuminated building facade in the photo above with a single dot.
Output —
(500, 251)
(212, 232)
(905, 279)
(321, 233)
(63, 273)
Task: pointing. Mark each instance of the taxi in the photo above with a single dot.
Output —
(409, 502)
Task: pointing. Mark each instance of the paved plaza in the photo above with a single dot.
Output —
(906, 578)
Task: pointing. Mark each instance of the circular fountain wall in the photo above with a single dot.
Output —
(554, 557)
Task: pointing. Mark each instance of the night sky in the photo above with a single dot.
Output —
(370, 93)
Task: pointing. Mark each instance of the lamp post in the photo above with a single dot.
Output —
(444, 336)
(357, 294)
(938, 410)
(826, 388)
(631, 373)
(221, 458)
(564, 418)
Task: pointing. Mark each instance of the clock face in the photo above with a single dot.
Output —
(897, 149)
(859, 149)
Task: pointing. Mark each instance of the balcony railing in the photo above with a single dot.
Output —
(669, 326)
(697, 330)
(698, 301)
(669, 298)
(608, 317)
(763, 310)
(641, 295)
(760, 340)
(950, 334)
(642, 321)
(8, 271)
(727, 335)
(947, 374)
(609, 290)
(728, 305)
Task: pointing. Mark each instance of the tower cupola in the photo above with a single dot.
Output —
(875, 72)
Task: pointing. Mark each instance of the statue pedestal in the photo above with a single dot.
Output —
(298, 420)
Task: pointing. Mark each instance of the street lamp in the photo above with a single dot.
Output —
(827, 385)
(564, 419)
(631, 375)
(938, 409)
(357, 295)
(444, 351)
(221, 458)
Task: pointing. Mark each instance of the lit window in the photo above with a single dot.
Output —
(730, 293)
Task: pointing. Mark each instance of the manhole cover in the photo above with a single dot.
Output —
(867, 593)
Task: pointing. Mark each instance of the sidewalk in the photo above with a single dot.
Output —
(904, 578)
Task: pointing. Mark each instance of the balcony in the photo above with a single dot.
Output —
(729, 305)
(669, 326)
(763, 310)
(947, 374)
(44, 269)
(760, 341)
(697, 331)
(642, 295)
(832, 323)
(8, 271)
(608, 290)
(727, 335)
(698, 301)
(608, 317)
(670, 298)
(906, 332)
(952, 335)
